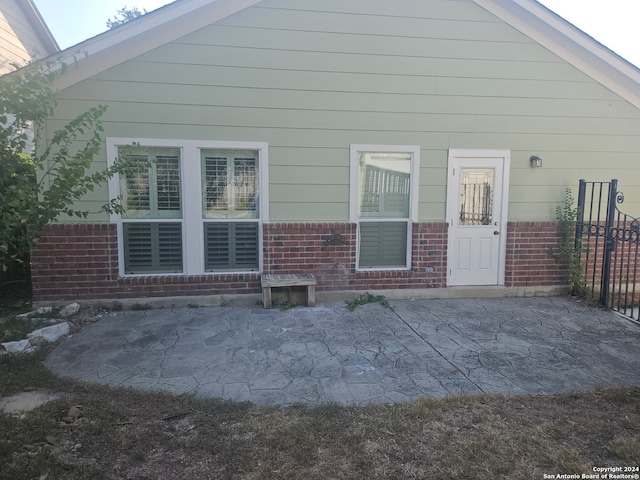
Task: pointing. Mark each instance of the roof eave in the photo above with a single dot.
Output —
(185, 16)
(40, 27)
(569, 43)
(143, 34)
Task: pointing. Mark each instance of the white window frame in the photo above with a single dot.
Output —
(192, 219)
(354, 184)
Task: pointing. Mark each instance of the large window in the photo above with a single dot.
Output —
(152, 222)
(384, 186)
(230, 194)
(191, 207)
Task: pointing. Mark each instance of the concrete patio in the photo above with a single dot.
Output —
(517, 346)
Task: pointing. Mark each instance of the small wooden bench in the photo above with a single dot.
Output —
(288, 280)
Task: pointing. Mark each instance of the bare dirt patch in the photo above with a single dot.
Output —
(26, 401)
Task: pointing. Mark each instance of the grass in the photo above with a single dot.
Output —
(14, 328)
(130, 434)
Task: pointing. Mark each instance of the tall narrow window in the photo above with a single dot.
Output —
(152, 222)
(385, 181)
(230, 209)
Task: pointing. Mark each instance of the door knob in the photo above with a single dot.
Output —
(496, 232)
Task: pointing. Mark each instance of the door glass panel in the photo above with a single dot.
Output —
(476, 196)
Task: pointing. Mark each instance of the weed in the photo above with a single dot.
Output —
(287, 306)
(15, 328)
(566, 251)
(115, 306)
(141, 306)
(54, 312)
(365, 298)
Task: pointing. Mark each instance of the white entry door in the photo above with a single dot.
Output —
(477, 191)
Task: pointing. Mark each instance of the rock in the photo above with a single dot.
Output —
(69, 310)
(48, 321)
(75, 412)
(16, 347)
(49, 334)
(40, 311)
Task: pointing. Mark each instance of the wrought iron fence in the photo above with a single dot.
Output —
(608, 241)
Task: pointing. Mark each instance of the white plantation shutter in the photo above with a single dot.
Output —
(230, 184)
(136, 195)
(168, 196)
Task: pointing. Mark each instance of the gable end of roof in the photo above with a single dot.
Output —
(143, 34)
(569, 43)
(186, 16)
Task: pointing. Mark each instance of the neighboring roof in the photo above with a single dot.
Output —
(185, 16)
(23, 34)
(39, 27)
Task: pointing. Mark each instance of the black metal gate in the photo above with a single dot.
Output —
(608, 241)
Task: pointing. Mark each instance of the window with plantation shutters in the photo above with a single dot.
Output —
(150, 194)
(230, 184)
(230, 209)
(153, 190)
(383, 183)
(190, 206)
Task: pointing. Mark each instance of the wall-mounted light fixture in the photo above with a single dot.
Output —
(536, 161)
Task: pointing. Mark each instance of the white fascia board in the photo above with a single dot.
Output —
(569, 43)
(142, 35)
(40, 27)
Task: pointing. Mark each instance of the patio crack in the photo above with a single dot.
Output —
(438, 352)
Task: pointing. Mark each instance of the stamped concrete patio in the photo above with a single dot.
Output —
(518, 346)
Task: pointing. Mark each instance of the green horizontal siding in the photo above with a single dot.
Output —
(311, 78)
(140, 92)
(444, 9)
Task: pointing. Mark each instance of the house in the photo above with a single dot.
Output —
(24, 36)
(378, 145)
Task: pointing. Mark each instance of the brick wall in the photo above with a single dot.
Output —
(529, 261)
(325, 249)
(80, 261)
(328, 250)
(75, 261)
